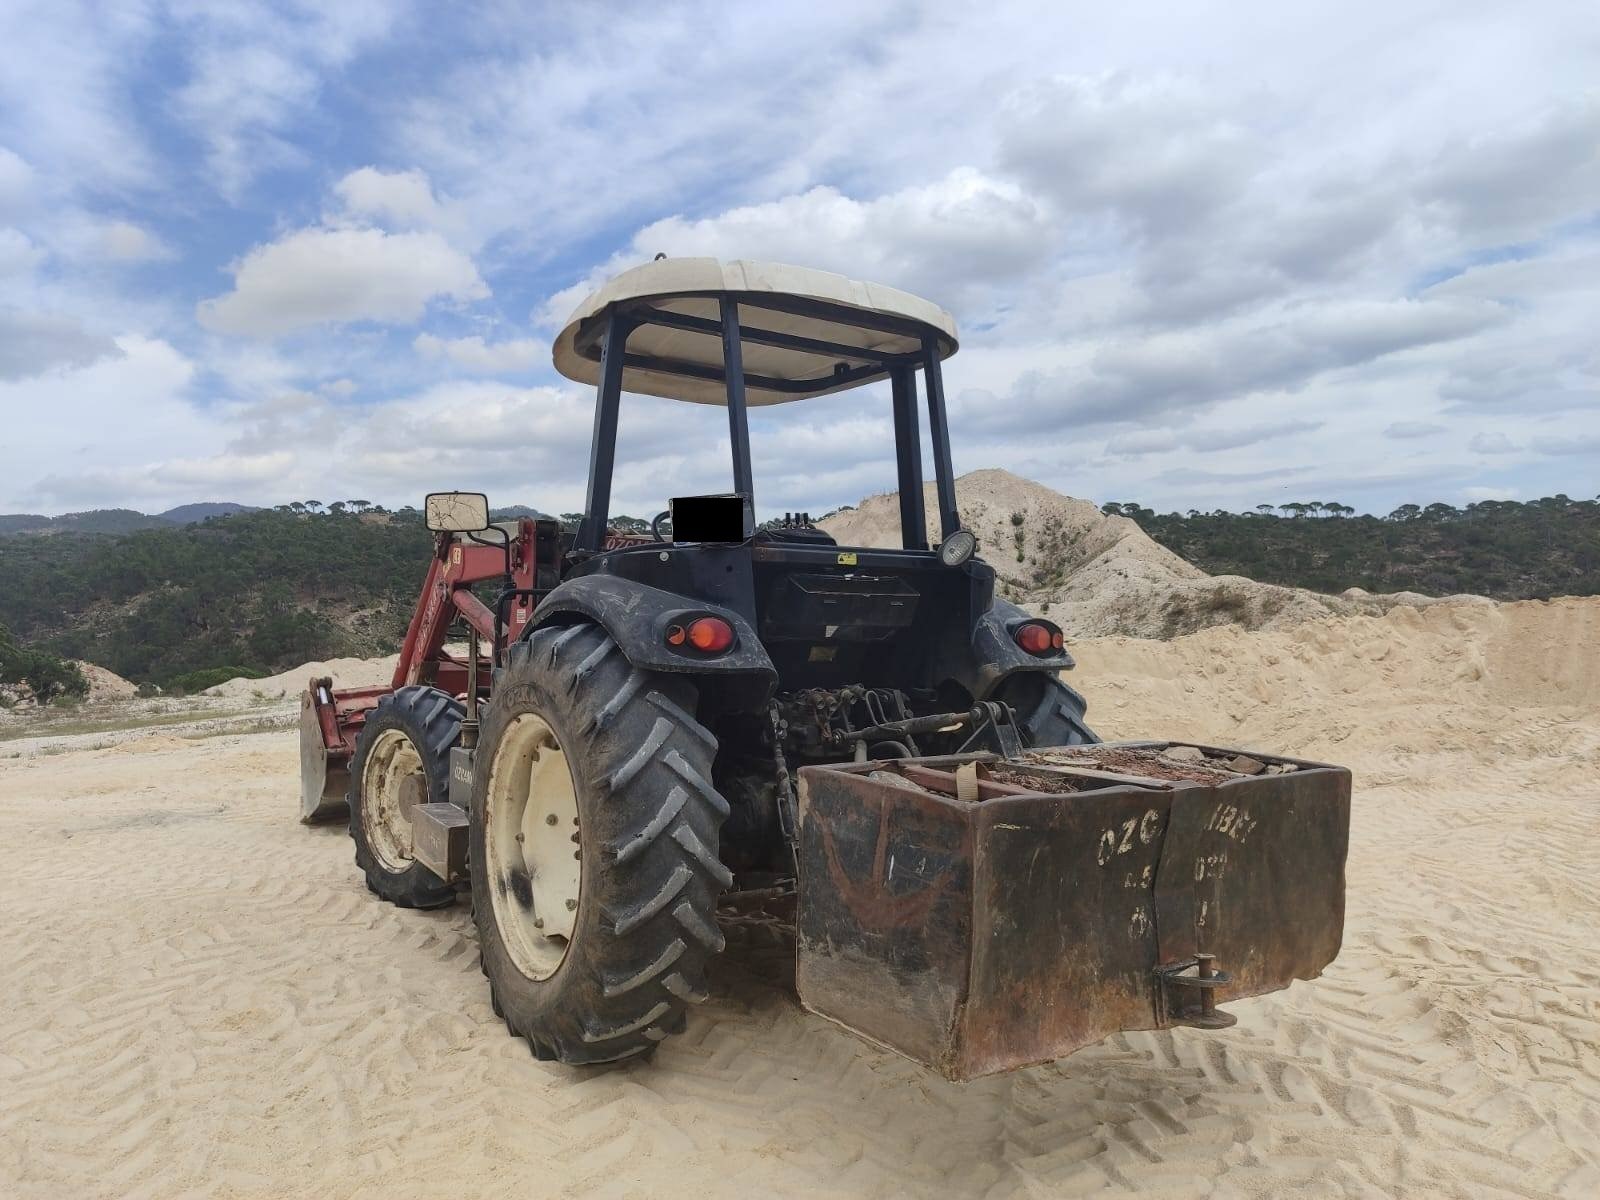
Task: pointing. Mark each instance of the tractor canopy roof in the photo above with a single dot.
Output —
(801, 332)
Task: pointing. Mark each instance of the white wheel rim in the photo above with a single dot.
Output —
(392, 783)
(531, 840)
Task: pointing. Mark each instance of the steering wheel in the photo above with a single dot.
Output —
(655, 524)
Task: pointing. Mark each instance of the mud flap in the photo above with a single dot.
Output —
(976, 937)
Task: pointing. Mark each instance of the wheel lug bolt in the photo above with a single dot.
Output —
(550, 820)
(574, 837)
(571, 905)
(538, 922)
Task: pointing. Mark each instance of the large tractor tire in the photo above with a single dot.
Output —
(402, 759)
(594, 848)
(1048, 711)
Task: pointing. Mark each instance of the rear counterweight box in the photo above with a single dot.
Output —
(1072, 899)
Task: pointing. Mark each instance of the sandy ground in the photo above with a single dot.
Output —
(199, 997)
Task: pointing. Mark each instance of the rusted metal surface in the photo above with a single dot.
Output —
(979, 937)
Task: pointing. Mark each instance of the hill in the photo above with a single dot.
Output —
(257, 592)
(1095, 572)
(1500, 548)
(188, 514)
(116, 520)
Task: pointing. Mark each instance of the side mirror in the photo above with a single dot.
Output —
(457, 512)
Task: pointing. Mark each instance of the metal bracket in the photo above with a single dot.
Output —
(1191, 999)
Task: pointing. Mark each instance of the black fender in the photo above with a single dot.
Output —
(993, 654)
(637, 615)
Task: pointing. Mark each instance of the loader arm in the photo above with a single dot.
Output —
(332, 719)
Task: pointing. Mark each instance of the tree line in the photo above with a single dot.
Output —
(1507, 549)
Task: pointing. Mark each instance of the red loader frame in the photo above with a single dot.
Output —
(528, 565)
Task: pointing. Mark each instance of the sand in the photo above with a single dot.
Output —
(200, 998)
(345, 672)
(1097, 574)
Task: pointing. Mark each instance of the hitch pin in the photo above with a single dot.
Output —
(1205, 969)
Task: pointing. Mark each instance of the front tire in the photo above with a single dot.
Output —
(402, 759)
(581, 752)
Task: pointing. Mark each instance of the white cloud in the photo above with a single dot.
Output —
(255, 69)
(16, 184)
(491, 358)
(336, 276)
(1406, 430)
(398, 198)
(124, 241)
(951, 239)
(32, 343)
(18, 255)
(1492, 443)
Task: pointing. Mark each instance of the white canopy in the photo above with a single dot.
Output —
(803, 332)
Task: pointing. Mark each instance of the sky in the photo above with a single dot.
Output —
(1200, 256)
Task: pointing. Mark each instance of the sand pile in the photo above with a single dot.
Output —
(1099, 574)
(346, 673)
(106, 685)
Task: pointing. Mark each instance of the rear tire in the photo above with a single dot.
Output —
(611, 978)
(402, 759)
(1049, 712)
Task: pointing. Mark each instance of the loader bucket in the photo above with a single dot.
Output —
(1078, 894)
(324, 777)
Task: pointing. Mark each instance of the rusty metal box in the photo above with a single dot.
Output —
(1067, 901)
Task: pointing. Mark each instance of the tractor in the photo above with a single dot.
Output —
(649, 737)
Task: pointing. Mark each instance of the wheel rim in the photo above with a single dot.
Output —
(392, 784)
(532, 843)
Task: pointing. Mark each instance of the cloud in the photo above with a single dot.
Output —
(16, 184)
(1157, 153)
(1406, 430)
(1131, 379)
(1492, 443)
(497, 358)
(401, 199)
(1514, 183)
(949, 240)
(255, 69)
(33, 343)
(336, 276)
(18, 254)
(1205, 437)
(1576, 444)
(123, 241)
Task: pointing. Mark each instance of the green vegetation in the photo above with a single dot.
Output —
(263, 591)
(254, 593)
(1499, 548)
(43, 673)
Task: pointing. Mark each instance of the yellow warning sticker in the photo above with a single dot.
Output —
(847, 558)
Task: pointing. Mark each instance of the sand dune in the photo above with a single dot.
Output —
(1100, 575)
(199, 997)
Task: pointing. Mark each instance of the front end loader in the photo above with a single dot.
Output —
(650, 738)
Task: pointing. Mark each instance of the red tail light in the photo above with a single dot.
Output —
(1034, 638)
(710, 635)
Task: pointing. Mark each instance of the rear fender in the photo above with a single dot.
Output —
(993, 654)
(637, 615)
